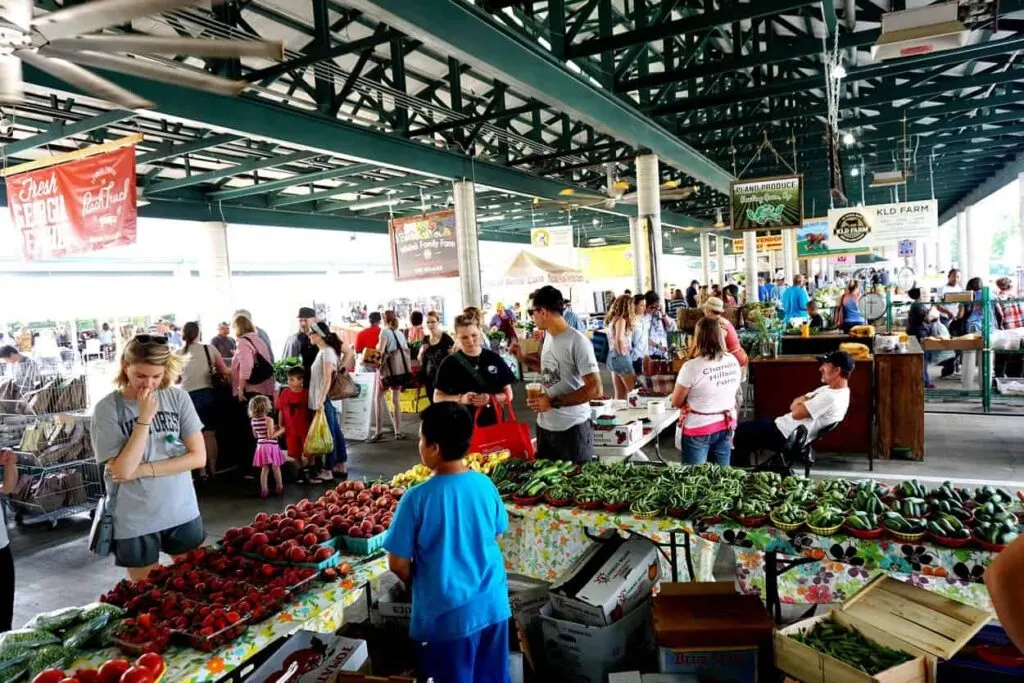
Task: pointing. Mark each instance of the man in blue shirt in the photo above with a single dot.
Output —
(794, 300)
(443, 544)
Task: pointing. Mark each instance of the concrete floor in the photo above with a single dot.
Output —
(54, 568)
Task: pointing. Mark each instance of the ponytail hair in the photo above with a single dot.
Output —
(329, 337)
(189, 334)
(391, 319)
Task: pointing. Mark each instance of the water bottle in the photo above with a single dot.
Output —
(175, 446)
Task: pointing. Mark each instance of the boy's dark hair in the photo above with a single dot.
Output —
(375, 318)
(296, 371)
(549, 298)
(639, 299)
(914, 293)
(8, 351)
(652, 298)
(449, 426)
(416, 318)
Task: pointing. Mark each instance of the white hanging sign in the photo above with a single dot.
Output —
(869, 227)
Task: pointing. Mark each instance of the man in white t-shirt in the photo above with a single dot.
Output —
(822, 407)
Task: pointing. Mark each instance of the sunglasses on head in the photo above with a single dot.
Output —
(151, 339)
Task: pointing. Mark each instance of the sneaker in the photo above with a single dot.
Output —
(375, 438)
(323, 477)
(340, 476)
(930, 386)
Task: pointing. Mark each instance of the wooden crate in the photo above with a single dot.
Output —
(892, 613)
(955, 344)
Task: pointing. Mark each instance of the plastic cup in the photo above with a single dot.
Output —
(534, 390)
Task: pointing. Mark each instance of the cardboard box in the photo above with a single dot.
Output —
(637, 677)
(956, 344)
(958, 297)
(710, 631)
(526, 597)
(392, 609)
(619, 435)
(319, 657)
(607, 581)
(892, 613)
(577, 653)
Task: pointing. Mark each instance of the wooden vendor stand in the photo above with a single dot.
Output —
(899, 400)
(886, 393)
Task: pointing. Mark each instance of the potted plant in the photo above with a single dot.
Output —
(767, 338)
(495, 337)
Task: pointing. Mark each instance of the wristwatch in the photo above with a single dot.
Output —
(556, 402)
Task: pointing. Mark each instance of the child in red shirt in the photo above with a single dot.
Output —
(294, 416)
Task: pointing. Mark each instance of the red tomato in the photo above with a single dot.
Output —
(137, 674)
(112, 671)
(49, 676)
(88, 675)
(151, 661)
(70, 680)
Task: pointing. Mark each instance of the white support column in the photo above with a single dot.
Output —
(788, 257)
(705, 258)
(467, 242)
(750, 256)
(927, 257)
(214, 261)
(961, 244)
(720, 254)
(641, 257)
(648, 200)
(979, 245)
(1020, 256)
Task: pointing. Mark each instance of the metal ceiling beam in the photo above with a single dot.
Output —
(489, 115)
(160, 207)
(694, 24)
(166, 150)
(300, 179)
(59, 131)
(237, 169)
(462, 31)
(356, 188)
(276, 70)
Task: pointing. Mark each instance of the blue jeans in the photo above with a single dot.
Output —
(697, 449)
(478, 658)
(339, 456)
(927, 362)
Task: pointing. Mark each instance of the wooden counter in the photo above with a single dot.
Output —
(777, 381)
(899, 400)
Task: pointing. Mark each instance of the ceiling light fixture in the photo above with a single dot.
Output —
(848, 139)
(596, 222)
(719, 223)
(855, 171)
(839, 73)
(596, 241)
(488, 219)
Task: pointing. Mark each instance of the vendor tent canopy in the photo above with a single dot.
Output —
(528, 269)
(870, 258)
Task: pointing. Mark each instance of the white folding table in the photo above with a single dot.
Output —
(658, 425)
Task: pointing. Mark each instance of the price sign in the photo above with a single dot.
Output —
(906, 248)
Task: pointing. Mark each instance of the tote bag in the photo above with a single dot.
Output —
(101, 535)
(396, 367)
(503, 435)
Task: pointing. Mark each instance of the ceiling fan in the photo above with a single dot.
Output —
(59, 42)
(670, 192)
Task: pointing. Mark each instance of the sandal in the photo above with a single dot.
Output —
(400, 437)
(375, 438)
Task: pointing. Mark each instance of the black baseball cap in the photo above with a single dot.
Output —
(306, 312)
(839, 359)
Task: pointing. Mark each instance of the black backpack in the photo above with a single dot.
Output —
(262, 370)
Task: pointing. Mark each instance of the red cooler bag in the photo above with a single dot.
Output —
(503, 435)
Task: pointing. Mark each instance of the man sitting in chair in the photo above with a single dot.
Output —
(822, 407)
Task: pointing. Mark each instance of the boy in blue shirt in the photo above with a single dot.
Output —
(443, 544)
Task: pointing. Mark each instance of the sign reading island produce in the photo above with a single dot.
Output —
(75, 207)
(424, 246)
(767, 203)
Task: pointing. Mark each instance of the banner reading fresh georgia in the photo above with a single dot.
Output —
(75, 207)
(767, 203)
(424, 246)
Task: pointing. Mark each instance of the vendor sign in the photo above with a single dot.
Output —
(767, 203)
(764, 243)
(863, 228)
(75, 207)
(612, 261)
(812, 239)
(559, 237)
(424, 246)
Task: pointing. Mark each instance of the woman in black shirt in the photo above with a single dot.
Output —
(473, 374)
(437, 345)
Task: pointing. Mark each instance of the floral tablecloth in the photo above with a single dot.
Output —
(542, 541)
(321, 610)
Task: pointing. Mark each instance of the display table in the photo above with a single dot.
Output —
(543, 541)
(321, 610)
(607, 454)
(899, 400)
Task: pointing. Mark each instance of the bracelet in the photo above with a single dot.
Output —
(152, 471)
(146, 424)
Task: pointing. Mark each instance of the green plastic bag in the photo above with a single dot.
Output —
(319, 440)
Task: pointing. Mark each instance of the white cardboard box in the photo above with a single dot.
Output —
(621, 583)
(319, 657)
(619, 435)
(586, 654)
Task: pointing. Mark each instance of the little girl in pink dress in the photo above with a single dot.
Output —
(268, 452)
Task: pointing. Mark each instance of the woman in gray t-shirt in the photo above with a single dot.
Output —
(148, 436)
(330, 358)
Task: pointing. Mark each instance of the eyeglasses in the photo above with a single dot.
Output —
(151, 339)
(529, 311)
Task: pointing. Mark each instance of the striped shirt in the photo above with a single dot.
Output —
(260, 431)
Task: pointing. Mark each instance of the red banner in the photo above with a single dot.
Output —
(75, 207)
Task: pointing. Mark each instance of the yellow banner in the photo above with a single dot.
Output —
(764, 243)
(602, 263)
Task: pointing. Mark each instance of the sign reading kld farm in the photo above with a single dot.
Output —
(868, 227)
(767, 203)
(75, 207)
